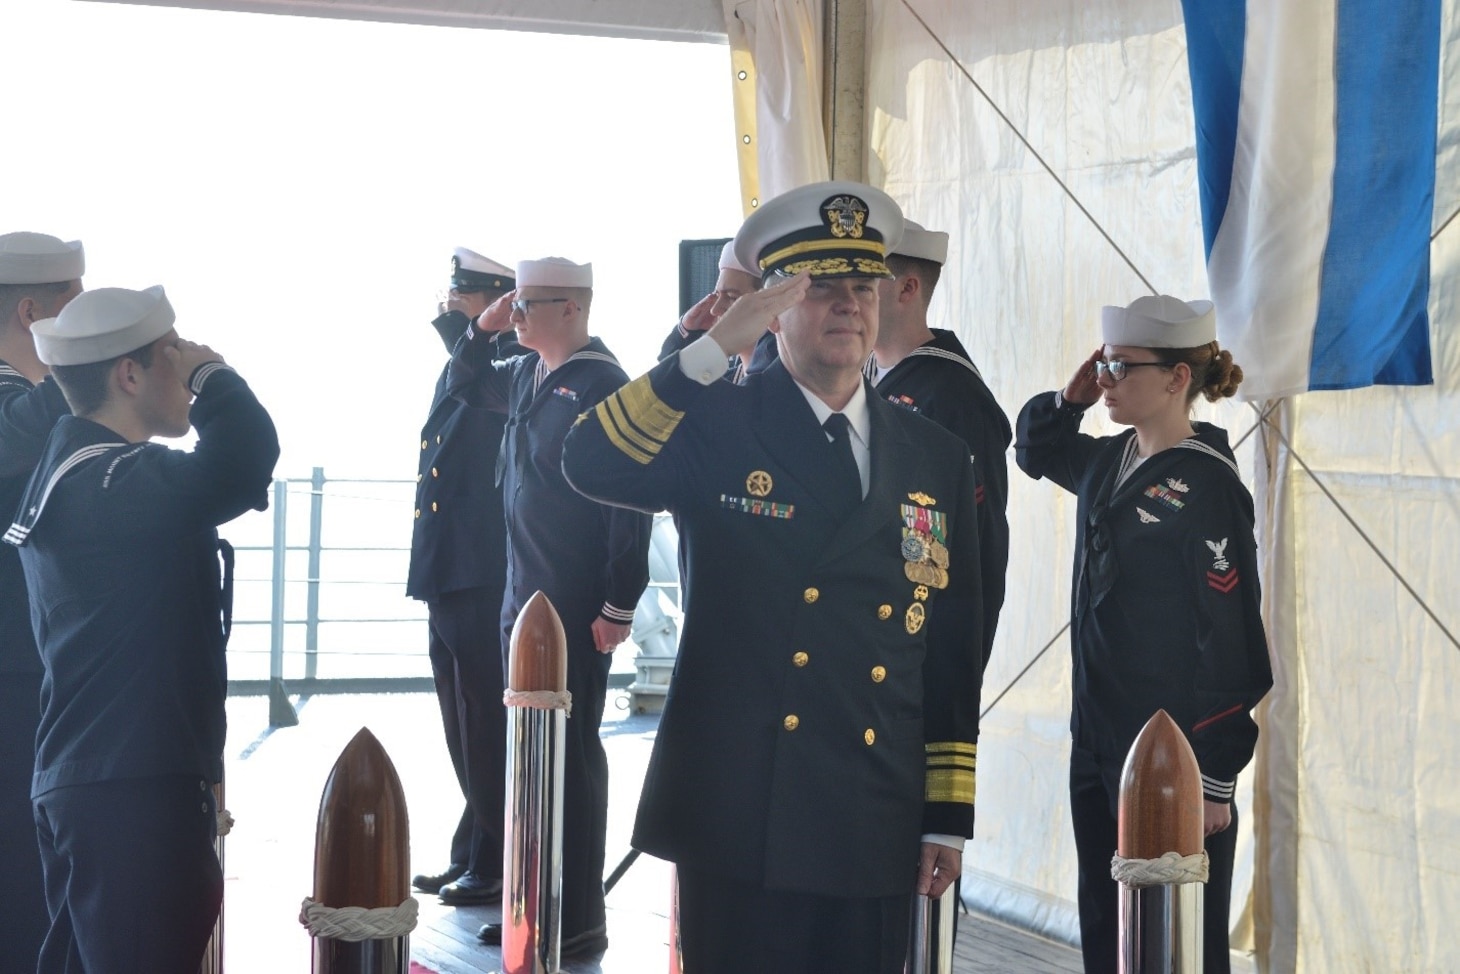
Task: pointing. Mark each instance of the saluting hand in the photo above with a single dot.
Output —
(749, 317)
(498, 316)
(1082, 389)
(701, 316)
(186, 356)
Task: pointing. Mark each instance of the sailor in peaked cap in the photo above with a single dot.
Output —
(39, 274)
(830, 229)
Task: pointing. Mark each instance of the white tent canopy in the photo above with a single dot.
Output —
(1351, 813)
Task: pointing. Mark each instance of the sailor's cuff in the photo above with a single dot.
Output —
(1069, 408)
(201, 373)
(703, 361)
(614, 614)
(1217, 790)
(951, 841)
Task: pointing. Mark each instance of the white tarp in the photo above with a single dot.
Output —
(1349, 842)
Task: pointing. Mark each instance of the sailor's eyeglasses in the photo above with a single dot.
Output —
(1117, 369)
(524, 305)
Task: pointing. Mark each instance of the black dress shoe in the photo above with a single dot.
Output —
(593, 941)
(471, 890)
(428, 883)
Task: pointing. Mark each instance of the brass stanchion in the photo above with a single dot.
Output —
(362, 913)
(1160, 832)
(537, 702)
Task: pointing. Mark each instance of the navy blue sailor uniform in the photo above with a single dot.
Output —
(589, 559)
(458, 567)
(939, 380)
(814, 731)
(27, 413)
(1165, 613)
(130, 602)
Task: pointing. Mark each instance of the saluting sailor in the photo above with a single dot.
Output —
(590, 560)
(928, 371)
(731, 283)
(118, 539)
(39, 274)
(815, 760)
(459, 568)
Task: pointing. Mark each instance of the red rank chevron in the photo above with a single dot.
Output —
(978, 494)
(1223, 583)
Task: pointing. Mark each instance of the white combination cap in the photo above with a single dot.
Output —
(102, 324)
(922, 244)
(729, 262)
(39, 258)
(1159, 321)
(471, 271)
(831, 229)
(554, 272)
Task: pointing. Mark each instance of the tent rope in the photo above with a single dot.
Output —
(1032, 151)
(1373, 546)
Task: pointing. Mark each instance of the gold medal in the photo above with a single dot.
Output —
(938, 552)
(759, 483)
(913, 621)
(921, 572)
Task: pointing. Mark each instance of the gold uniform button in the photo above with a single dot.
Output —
(435, 472)
(418, 512)
(438, 439)
(433, 507)
(791, 722)
(811, 595)
(800, 659)
(884, 612)
(424, 444)
(878, 674)
(418, 478)
(870, 737)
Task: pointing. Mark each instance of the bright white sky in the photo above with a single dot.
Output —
(298, 185)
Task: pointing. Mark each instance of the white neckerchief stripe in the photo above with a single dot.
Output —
(18, 531)
(1200, 447)
(945, 354)
(587, 355)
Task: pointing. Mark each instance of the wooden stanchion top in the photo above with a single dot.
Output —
(362, 844)
(538, 656)
(1160, 794)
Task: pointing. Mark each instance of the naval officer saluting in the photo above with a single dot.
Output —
(815, 760)
(118, 539)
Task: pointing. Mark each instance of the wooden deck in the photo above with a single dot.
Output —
(274, 782)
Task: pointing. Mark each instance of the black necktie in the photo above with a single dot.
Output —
(847, 476)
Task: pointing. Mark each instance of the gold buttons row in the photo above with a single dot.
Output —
(792, 722)
(434, 508)
(879, 673)
(426, 443)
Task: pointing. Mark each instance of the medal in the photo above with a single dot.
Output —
(921, 593)
(914, 548)
(938, 553)
(913, 621)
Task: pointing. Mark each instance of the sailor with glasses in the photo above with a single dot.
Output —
(1165, 611)
(590, 560)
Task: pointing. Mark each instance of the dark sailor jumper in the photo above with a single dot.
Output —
(589, 559)
(939, 380)
(27, 413)
(813, 732)
(130, 607)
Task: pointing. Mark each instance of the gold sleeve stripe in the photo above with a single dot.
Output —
(610, 429)
(647, 411)
(950, 786)
(622, 427)
(952, 761)
(951, 747)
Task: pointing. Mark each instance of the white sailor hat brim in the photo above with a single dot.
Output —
(554, 272)
(922, 244)
(103, 324)
(39, 258)
(831, 229)
(1159, 321)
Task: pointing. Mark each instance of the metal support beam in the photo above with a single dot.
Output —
(844, 88)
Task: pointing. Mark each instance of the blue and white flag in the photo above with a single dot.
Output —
(1315, 139)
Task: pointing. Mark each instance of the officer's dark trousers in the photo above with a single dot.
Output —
(1094, 797)
(466, 660)
(23, 917)
(132, 881)
(731, 927)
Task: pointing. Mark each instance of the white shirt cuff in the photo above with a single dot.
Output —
(951, 841)
(703, 360)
